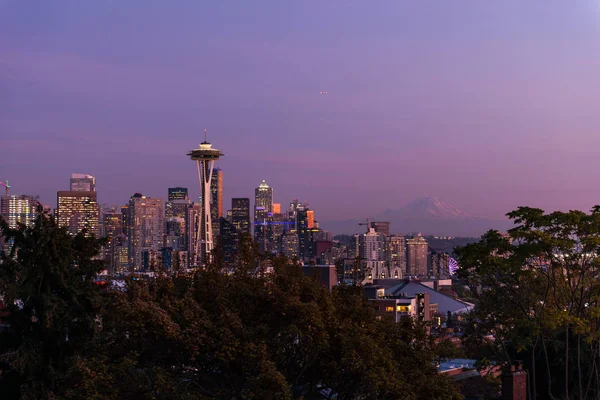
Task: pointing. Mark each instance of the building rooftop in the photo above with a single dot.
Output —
(445, 303)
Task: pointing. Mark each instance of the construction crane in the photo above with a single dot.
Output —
(367, 224)
(6, 186)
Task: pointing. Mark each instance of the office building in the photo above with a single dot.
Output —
(83, 183)
(77, 211)
(112, 227)
(381, 227)
(177, 193)
(416, 256)
(263, 206)
(125, 219)
(21, 209)
(146, 228)
(229, 239)
(204, 156)
(216, 199)
(289, 244)
(396, 255)
(240, 214)
(177, 203)
(310, 219)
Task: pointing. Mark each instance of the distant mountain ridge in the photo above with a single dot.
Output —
(428, 215)
(427, 207)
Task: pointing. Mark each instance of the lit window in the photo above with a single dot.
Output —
(389, 309)
(404, 309)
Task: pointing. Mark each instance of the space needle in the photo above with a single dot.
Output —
(205, 156)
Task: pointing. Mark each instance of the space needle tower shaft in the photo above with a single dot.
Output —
(205, 156)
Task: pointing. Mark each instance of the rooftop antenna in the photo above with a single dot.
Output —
(205, 135)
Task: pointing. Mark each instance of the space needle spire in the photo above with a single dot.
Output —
(205, 156)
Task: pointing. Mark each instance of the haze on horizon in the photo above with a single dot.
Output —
(486, 105)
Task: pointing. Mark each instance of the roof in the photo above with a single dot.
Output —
(445, 303)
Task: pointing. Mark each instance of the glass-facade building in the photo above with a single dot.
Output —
(76, 211)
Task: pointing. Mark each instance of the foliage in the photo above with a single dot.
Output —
(537, 291)
(261, 330)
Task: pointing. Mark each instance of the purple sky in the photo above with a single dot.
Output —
(485, 104)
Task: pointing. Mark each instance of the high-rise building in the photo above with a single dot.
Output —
(372, 246)
(205, 156)
(310, 218)
(440, 265)
(112, 223)
(240, 214)
(178, 193)
(146, 228)
(263, 205)
(125, 219)
(177, 203)
(302, 229)
(229, 239)
(21, 209)
(396, 255)
(381, 227)
(416, 255)
(263, 197)
(216, 199)
(76, 211)
(289, 244)
(83, 183)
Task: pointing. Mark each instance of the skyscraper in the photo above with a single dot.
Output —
(240, 214)
(381, 227)
(177, 203)
(83, 183)
(112, 223)
(205, 157)
(289, 244)
(21, 209)
(310, 219)
(229, 239)
(416, 252)
(146, 227)
(216, 199)
(178, 193)
(396, 255)
(77, 210)
(263, 205)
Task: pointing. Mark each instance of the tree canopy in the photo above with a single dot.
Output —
(246, 332)
(537, 290)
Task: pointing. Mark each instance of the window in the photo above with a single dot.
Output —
(404, 309)
(389, 309)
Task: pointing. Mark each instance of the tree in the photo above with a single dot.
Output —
(537, 292)
(52, 302)
(260, 329)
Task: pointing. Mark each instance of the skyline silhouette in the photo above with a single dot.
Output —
(487, 106)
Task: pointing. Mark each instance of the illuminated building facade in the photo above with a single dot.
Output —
(83, 183)
(146, 229)
(21, 209)
(396, 255)
(240, 214)
(76, 211)
(263, 206)
(417, 256)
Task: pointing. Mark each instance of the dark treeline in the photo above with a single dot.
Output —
(537, 291)
(244, 333)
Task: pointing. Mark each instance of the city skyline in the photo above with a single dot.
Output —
(434, 96)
